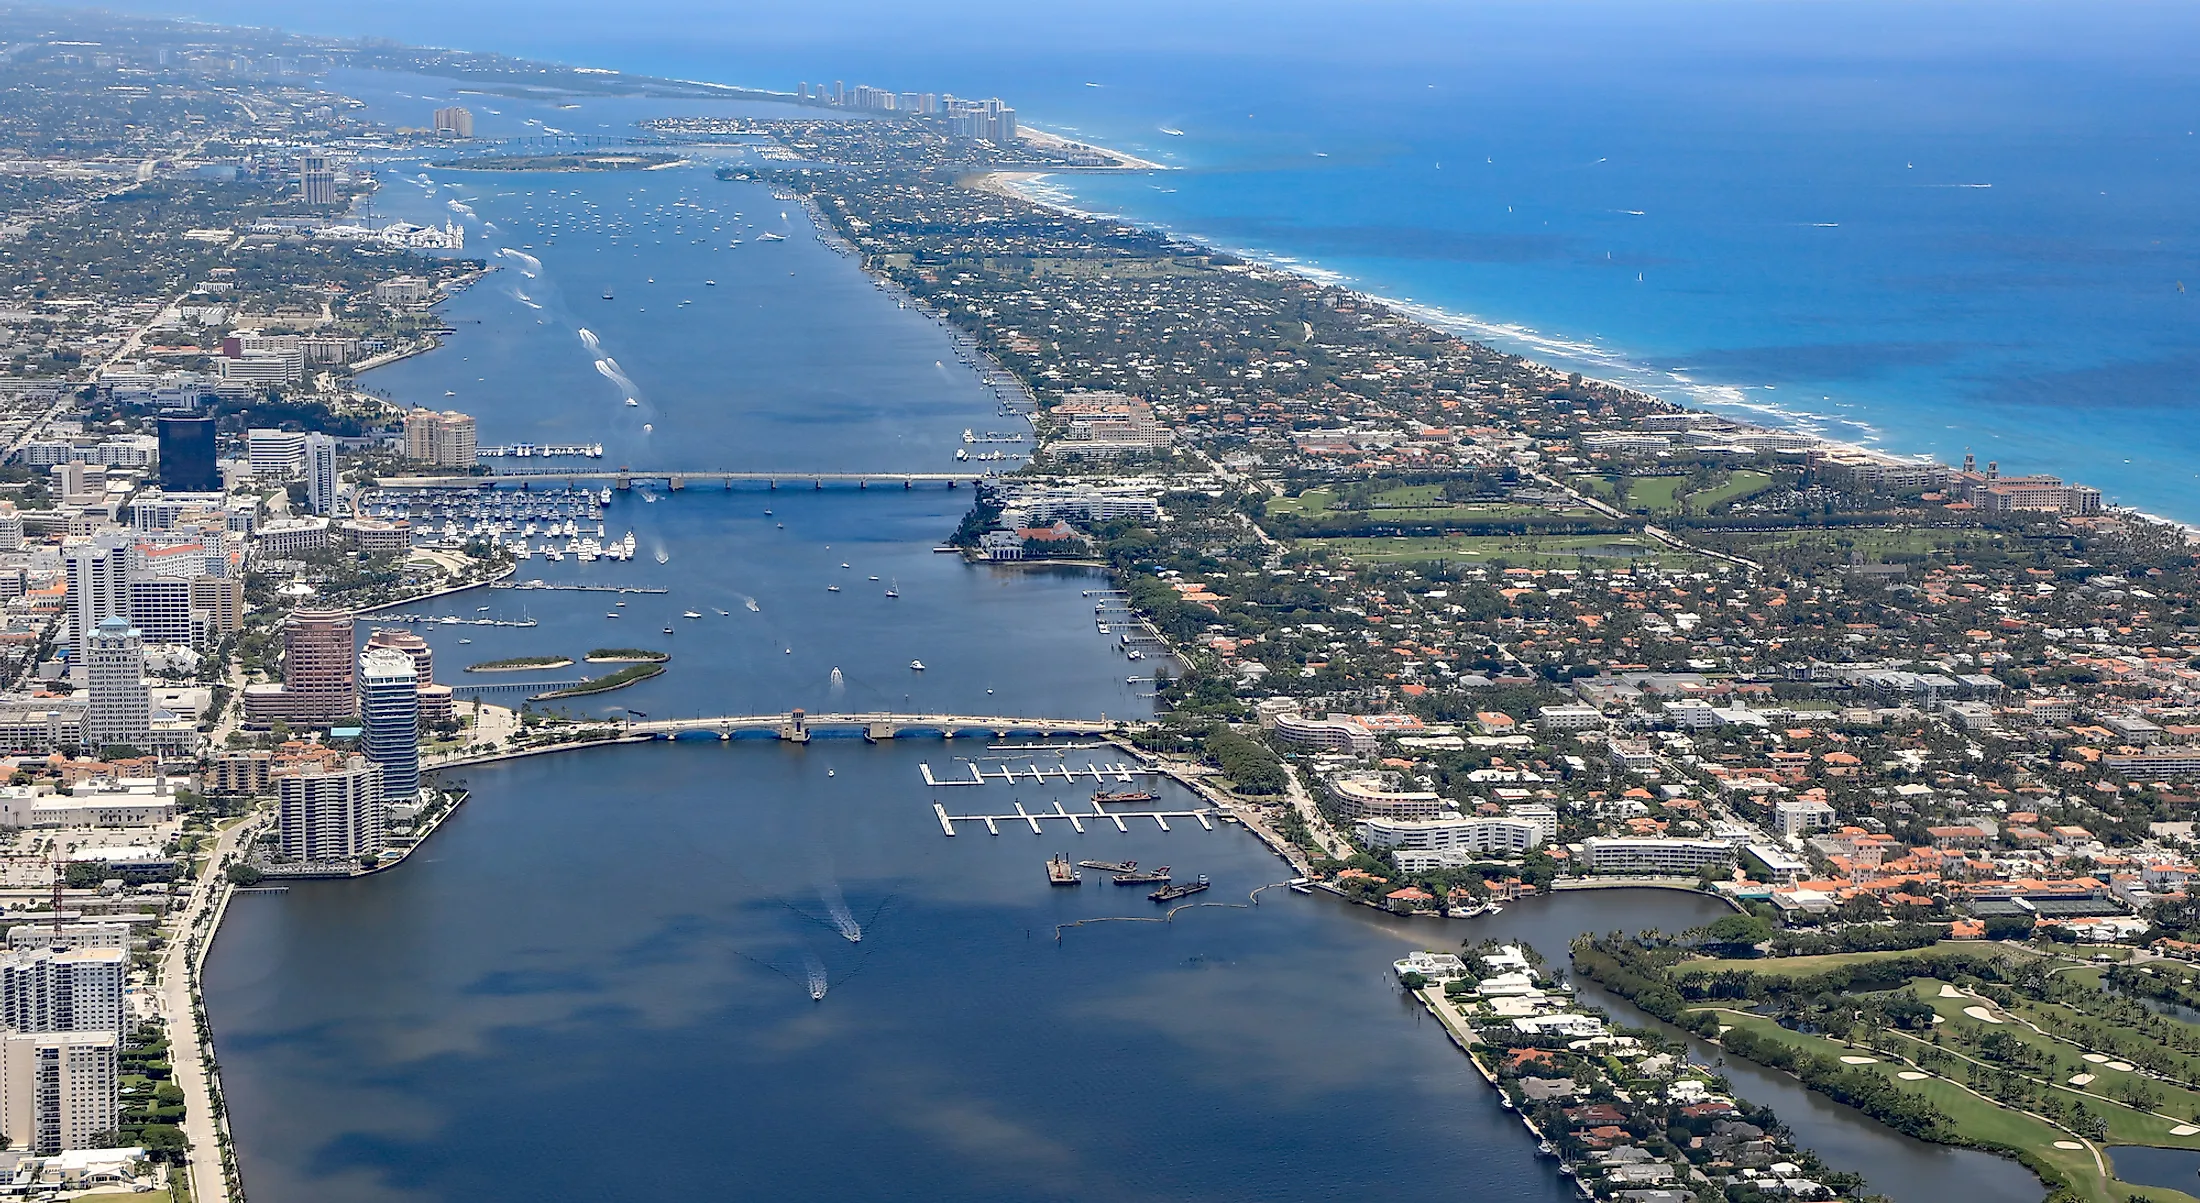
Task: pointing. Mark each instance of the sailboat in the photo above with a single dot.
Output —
(894, 589)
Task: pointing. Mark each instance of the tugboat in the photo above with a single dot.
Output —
(1184, 890)
(1059, 872)
(1111, 866)
(1128, 795)
(1151, 877)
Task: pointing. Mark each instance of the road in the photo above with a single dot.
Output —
(176, 993)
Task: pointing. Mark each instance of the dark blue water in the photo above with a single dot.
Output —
(2177, 1169)
(593, 982)
(1773, 208)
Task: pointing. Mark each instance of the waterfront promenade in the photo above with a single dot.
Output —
(625, 478)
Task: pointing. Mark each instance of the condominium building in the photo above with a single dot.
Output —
(1379, 796)
(321, 474)
(59, 1090)
(316, 180)
(1479, 835)
(98, 587)
(1337, 732)
(455, 120)
(389, 702)
(1653, 857)
(329, 813)
(444, 439)
(78, 990)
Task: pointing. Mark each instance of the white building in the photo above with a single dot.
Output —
(321, 474)
(1462, 837)
(120, 709)
(58, 1090)
(275, 454)
(1569, 718)
(1378, 796)
(80, 990)
(1797, 817)
(1652, 857)
(333, 814)
(1337, 732)
(98, 587)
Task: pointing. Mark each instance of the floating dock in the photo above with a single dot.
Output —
(1007, 774)
(1076, 819)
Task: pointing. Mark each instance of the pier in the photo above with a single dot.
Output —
(546, 586)
(529, 687)
(1076, 820)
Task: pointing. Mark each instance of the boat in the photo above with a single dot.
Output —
(607, 296)
(710, 283)
(668, 630)
(894, 589)
(722, 613)
(1300, 885)
(1129, 795)
(691, 614)
(771, 237)
(1504, 1101)
(1061, 873)
(750, 602)
(1150, 877)
(1547, 1149)
(632, 403)
(1111, 866)
(832, 588)
(916, 665)
(1181, 890)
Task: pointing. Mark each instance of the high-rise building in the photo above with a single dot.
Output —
(78, 990)
(98, 587)
(455, 120)
(160, 609)
(275, 454)
(11, 527)
(187, 455)
(389, 702)
(59, 1090)
(399, 639)
(218, 603)
(330, 812)
(121, 710)
(321, 474)
(319, 685)
(443, 439)
(316, 180)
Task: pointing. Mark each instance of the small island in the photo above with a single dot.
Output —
(626, 655)
(629, 675)
(574, 162)
(519, 664)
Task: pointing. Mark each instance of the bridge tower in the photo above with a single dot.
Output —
(795, 729)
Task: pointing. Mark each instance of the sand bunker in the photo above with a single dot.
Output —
(1859, 1060)
(2068, 1144)
(2122, 1065)
(1948, 991)
(1911, 1075)
(2097, 1058)
(1981, 1014)
(2184, 1130)
(2080, 1079)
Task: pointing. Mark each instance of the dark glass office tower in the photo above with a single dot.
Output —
(187, 455)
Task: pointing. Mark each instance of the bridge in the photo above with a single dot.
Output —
(795, 726)
(625, 478)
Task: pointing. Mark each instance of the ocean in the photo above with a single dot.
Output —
(1931, 227)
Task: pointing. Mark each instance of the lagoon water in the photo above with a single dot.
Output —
(594, 981)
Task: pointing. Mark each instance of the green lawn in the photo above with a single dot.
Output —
(1805, 966)
(1517, 551)
(1981, 1120)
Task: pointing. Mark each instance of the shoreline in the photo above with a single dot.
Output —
(1542, 350)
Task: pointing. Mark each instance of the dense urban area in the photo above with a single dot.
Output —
(1446, 628)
